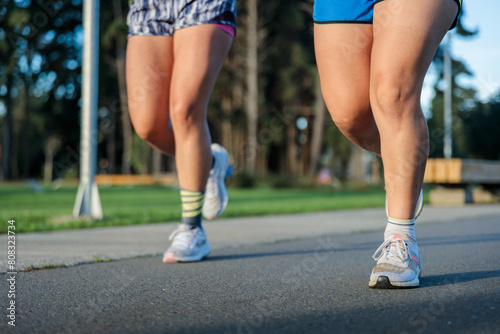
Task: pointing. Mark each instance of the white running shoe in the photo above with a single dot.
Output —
(418, 209)
(189, 244)
(216, 193)
(398, 265)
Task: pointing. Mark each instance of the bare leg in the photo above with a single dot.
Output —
(149, 71)
(343, 54)
(405, 40)
(199, 53)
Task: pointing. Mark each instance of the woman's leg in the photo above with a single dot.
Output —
(199, 53)
(149, 72)
(343, 53)
(406, 36)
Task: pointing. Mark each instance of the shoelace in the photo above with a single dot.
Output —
(183, 236)
(400, 253)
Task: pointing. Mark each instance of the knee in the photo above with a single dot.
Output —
(354, 126)
(187, 115)
(352, 119)
(394, 98)
(350, 108)
(152, 132)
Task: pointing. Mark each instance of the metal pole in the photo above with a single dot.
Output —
(448, 95)
(87, 202)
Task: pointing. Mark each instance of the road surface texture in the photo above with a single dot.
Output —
(39, 250)
(312, 285)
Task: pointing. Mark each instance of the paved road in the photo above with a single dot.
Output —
(315, 285)
(38, 250)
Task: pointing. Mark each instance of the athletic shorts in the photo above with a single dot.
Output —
(350, 11)
(163, 17)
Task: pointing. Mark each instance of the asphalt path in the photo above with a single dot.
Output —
(315, 285)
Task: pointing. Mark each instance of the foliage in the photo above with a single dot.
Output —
(463, 98)
(40, 83)
(243, 180)
(481, 124)
(40, 77)
(281, 181)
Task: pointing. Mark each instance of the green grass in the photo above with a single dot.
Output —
(51, 210)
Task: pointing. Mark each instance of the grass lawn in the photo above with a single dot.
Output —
(51, 209)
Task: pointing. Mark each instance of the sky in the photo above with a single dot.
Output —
(481, 53)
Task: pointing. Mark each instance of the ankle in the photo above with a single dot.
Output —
(403, 227)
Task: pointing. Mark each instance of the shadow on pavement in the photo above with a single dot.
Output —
(458, 239)
(445, 312)
(447, 279)
(330, 244)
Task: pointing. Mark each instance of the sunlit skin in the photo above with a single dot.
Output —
(371, 79)
(169, 82)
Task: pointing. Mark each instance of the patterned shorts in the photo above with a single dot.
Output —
(163, 17)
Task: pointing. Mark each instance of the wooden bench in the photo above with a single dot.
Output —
(133, 180)
(463, 181)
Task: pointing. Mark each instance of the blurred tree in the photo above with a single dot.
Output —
(481, 123)
(340, 148)
(252, 92)
(41, 45)
(268, 82)
(113, 40)
(318, 129)
(288, 82)
(461, 96)
(12, 18)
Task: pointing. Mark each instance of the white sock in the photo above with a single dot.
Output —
(403, 227)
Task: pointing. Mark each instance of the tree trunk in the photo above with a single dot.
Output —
(236, 137)
(317, 131)
(52, 144)
(122, 88)
(25, 148)
(19, 151)
(291, 149)
(126, 122)
(357, 164)
(252, 85)
(225, 136)
(7, 133)
(156, 162)
(111, 144)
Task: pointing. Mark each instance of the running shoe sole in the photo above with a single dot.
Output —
(383, 282)
(223, 161)
(172, 258)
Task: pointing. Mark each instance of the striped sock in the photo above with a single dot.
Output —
(192, 202)
(404, 227)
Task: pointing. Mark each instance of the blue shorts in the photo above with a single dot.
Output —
(349, 11)
(163, 17)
